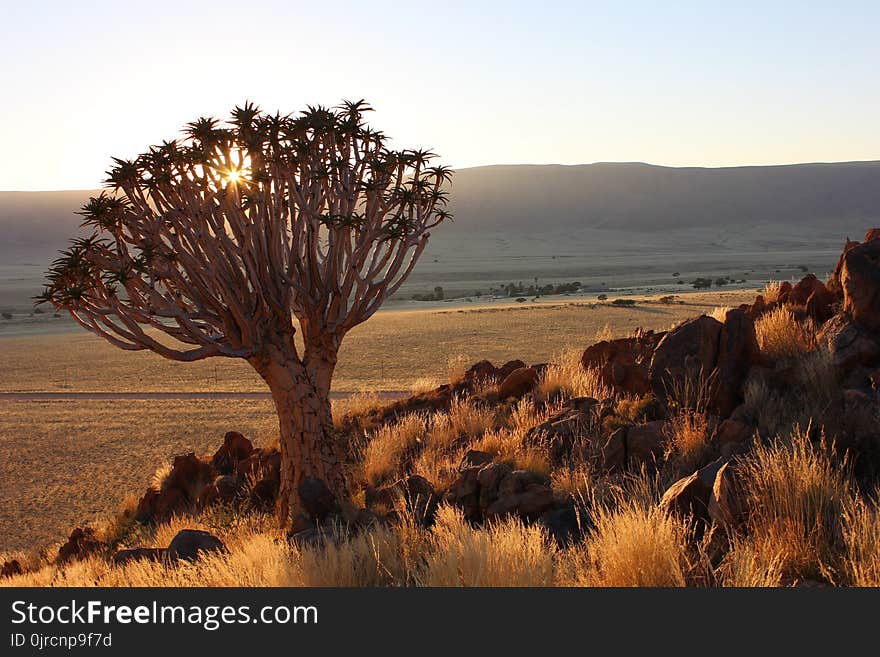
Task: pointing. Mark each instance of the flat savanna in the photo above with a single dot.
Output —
(68, 461)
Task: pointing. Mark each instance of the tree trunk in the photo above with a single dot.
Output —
(308, 445)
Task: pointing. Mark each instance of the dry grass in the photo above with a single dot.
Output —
(796, 494)
(771, 291)
(633, 543)
(424, 384)
(782, 337)
(689, 435)
(567, 378)
(861, 534)
(507, 553)
(66, 463)
(719, 313)
(464, 420)
(387, 449)
(359, 403)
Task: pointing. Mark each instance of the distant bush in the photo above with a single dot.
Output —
(602, 297)
(7, 315)
(702, 283)
(624, 302)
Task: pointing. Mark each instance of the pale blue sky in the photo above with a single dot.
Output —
(676, 83)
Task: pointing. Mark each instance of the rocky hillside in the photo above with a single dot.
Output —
(735, 449)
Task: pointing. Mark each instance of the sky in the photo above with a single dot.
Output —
(671, 83)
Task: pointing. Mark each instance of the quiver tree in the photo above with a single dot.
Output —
(227, 240)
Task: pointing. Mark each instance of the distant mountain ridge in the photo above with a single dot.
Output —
(530, 199)
(644, 197)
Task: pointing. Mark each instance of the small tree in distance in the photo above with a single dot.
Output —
(228, 240)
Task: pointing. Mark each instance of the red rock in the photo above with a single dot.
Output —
(690, 495)
(738, 351)
(189, 474)
(235, 448)
(860, 280)
(733, 432)
(727, 504)
(623, 363)
(81, 543)
(632, 446)
(785, 289)
(138, 554)
(510, 366)
(690, 349)
(10, 568)
(518, 383)
(481, 371)
(850, 344)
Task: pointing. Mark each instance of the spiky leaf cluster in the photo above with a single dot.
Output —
(223, 238)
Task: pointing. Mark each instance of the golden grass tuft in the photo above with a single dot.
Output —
(782, 336)
(567, 378)
(689, 435)
(386, 450)
(632, 544)
(506, 553)
(796, 493)
(360, 403)
(861, 534)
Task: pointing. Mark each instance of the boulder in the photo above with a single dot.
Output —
(123, 557)
(497, 489)
(261, 464)
(563, 524)
(481, 371)
(738, 351)
(464, 493)
(561, 432)
(860, 280)
(189, 544)
(235, 448)
(632, 446)
(850, 344)
(690, 495)
(520, 492)
(224, 490)
(518, 383)
(733, 433)
(475, 457)
(688, 350)
(805, 288)
(415, 491)
(168, 502)
(509, 367)
(727, 503)
(82, 543)
(623, 364)
(189, 475)
(10, 568)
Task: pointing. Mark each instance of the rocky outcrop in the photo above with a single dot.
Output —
(518, 383)
(860, 280)
(632, 446)
(738, 352)
(688, 350)
(690, 496)
(623, 364)
(235, 449)
(496, 489)
(562, 431)
(82, 542)
(190, 544)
